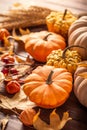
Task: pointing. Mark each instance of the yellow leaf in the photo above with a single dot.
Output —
(19, 60)
(40, 124)
(54, 119)
(55, 122)
(24, 32)
(6, 42)
(64, 120)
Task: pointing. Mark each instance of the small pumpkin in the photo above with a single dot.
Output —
(60, 22)
(66, 58)
(27, 115)
(77, 35)
(40, 44)
(48, 87)
(80, 83)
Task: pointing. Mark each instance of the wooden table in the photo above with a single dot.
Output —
(72, 105)
(76, 6)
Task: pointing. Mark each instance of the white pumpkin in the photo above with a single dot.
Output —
(80, 85)
(77, 35)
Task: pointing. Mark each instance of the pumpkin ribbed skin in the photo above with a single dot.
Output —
(60, 22)
(80, 86)
(40, 44)
(48, 95)
(27, 115)
(77, 35)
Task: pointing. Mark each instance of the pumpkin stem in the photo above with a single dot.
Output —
(67, 48)
(45, 38)
(65, 12)
(49, 79)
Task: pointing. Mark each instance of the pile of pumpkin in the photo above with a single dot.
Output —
(50, 85)
(62, 50)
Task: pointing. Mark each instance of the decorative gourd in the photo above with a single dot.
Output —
(60, 22)
(64, 59)
(27, 115)
(48, 87)
(40, 44)
(77, 35)
(80, 83)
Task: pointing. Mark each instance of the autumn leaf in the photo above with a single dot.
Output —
(55, 122)
(3, 122)
(54, 119)
(40, 124)
(18, 101)
(64, 120)
(24, 32)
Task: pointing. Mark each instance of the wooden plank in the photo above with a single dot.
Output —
(73, 5)
(77, 6)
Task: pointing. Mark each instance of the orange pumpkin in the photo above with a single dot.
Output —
(48, 87)
(40, 44)
(27, 115)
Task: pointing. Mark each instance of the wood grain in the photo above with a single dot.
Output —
(76, 6)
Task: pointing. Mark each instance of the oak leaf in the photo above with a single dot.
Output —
(55, 122)
(18, 101)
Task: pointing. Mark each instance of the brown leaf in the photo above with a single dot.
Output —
(18, 101)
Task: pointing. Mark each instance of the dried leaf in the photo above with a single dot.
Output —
(40, 124)
(18, 101)
(7, 47)
(83, 75)
(6, 43)
(19, 60)
(55, 122)
(2, 77)
(64, 120)
(22, 69)
(14, 34)
(54, 119)
(24, 32)
(3, 122)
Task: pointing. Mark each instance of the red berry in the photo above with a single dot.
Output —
(5, 71)
(13, 87)
(13, 71)
(4, 33)
(8, 59)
